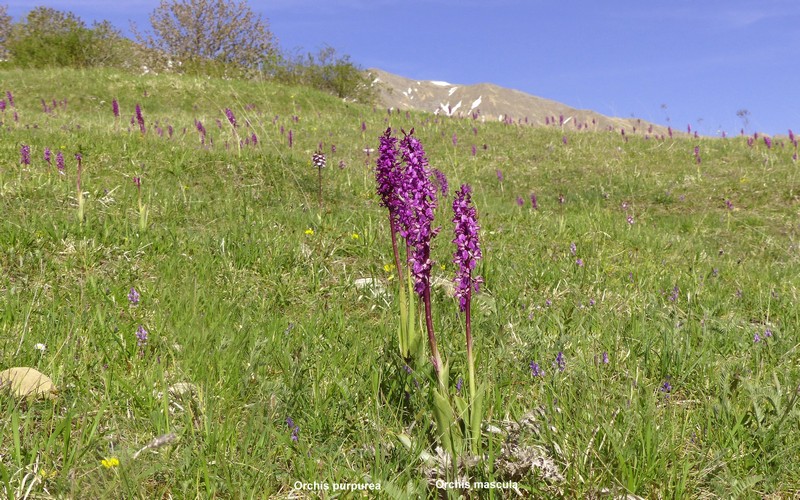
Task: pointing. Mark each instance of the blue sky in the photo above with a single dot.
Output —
(686, 61)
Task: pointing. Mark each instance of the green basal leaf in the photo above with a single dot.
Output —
(446, 428)
(405, 440)
(476, 417)
(462, 407)
(403, 328)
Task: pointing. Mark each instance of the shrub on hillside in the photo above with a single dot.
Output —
(329, 72)
(48, 37)
(5, 30)
(217, 37)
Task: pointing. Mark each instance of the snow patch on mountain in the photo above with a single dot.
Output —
(476, 103)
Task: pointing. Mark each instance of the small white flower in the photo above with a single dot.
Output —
(40, 347)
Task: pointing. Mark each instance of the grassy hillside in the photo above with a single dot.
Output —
(248, 292)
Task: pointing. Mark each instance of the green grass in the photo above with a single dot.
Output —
(264, 319)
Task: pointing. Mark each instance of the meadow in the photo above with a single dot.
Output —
(643, 316)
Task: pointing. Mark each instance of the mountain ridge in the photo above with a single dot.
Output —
(489, 101)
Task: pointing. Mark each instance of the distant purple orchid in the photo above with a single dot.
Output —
(231, 117)
(25, 154)
(560, 362)
(60, 162)
(141, 336)
(294, 428)
(202, 130)
(115, 108)
(140, 119)
(318, 159)
(441, 182)
(534, 202)
(133, 296)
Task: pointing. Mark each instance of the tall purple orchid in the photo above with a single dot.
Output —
(418, 202)
(465, 257)
(410, 195)
(416, 216)
(468, 251)
(389, 177)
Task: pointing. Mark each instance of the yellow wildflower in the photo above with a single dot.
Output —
(47, 474)
(354, 236)
(310, 232)
(388, 267)
(108, 463)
